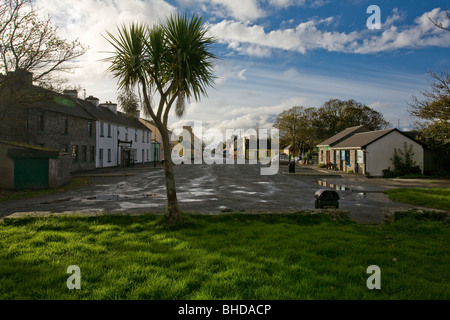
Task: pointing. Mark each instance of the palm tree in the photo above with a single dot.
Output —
(172, 60)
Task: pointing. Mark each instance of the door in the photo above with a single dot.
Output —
(100, 158)
(31, 173)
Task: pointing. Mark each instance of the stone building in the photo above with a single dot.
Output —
(41, 117)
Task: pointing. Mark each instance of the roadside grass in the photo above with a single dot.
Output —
(8, 194)
(232, 256)
(437, 198)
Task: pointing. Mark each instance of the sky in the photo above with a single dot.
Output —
(277, 54)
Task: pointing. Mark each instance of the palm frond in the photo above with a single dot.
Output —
(128, 61)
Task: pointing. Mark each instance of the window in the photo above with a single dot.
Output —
(41, 121)
(143, 136)
(84, 153)
(92, 153)
(135, 135)
(109, 155)
(65, 148)
(90, 128)
(65, 125)
(109, 130)
(126, 134)
(347, 157)
(102, 129)
(359, 156)
(148, 137)
(148, 154)
(75, 153)
(100, 157)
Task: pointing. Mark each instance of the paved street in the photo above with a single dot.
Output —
(216, 189)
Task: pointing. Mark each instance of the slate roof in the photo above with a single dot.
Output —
(337, 138)
(104, 114)
(99, 113)
(361, 140)
(55, 102)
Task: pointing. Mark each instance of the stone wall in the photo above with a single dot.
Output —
(6, 168)
(55, 136)
(59, 170)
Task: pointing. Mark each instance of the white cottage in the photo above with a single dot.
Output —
(121, 140)
(370, 153)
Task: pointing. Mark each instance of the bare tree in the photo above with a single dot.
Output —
(32, 44)
(434, 108)
(440, 24)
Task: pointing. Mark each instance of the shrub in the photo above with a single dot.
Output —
(350, 171)
(322, 165)
(403, 161)
(388, 173)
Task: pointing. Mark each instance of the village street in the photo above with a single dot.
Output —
(216, 189)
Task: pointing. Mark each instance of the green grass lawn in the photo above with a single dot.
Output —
(436, 198)
(222, 257)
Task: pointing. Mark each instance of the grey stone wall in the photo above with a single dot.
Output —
(59, 170)
(54, 136)
(6, 168)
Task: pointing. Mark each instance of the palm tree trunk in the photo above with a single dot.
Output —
(173, 211)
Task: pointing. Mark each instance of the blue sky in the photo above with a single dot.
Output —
(276, 54)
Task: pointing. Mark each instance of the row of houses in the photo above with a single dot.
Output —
(359, 150)
(93, 134)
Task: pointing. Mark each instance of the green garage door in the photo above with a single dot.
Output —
(31, 173)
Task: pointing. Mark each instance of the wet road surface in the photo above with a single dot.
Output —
(213, 189)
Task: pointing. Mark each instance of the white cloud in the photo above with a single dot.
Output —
(88, 20)
(238, 9)
(247, 10)
(226, 71)
(422, 34)
(254, 40)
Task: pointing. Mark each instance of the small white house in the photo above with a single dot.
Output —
(370, 153)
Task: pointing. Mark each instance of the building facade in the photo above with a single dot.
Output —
(368, 152)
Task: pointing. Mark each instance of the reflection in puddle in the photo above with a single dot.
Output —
(332, 185)
(324, 183)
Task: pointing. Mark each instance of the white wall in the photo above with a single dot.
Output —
(111, 143)
(106, 143)
(379, 153)
(137, 145)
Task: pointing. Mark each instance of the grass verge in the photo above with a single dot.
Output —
(437, 198)
(75, 183)
(231, 256)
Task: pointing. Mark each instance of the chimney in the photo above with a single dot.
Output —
(71, 93)
(95, 101)
(111, 106)
(138, 114)
(21, 79)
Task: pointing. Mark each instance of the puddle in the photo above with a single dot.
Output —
(324, 183)
(105, 197)
(244, 192)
